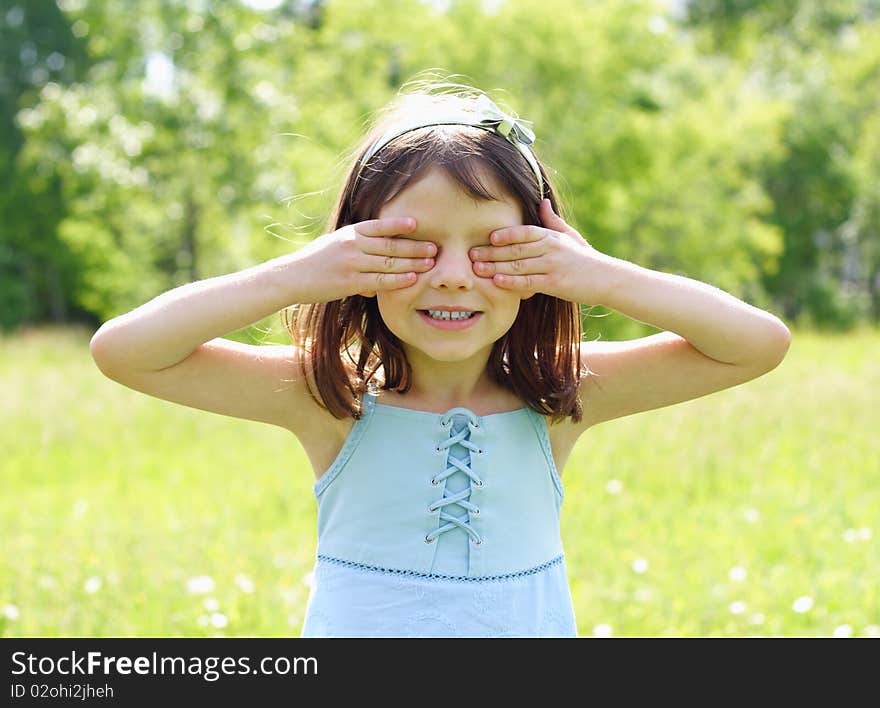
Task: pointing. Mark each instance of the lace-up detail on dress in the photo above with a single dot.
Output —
(459, 435)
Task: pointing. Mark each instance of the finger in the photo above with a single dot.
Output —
(372, 282)
(387, 226)
(522, 266)
(552, 220)
(394, 264)
(530, 249)
(525, 232)
(549, 217)
(399, 247)
(521, 283)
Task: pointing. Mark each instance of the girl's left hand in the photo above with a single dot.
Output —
(554, 259)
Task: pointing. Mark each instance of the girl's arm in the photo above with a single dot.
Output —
(712, 341)
(172, 348)
(168, 328)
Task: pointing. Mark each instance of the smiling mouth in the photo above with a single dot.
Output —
(450, 324)
(450, 318)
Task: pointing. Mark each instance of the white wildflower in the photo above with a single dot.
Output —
(751, 515)
(802, 604)
(737, 574)
(613, 486)
(245, 584)
(200, 584)
(602, 630)
(843, 631)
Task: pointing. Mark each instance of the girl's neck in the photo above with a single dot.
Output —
(485, 401)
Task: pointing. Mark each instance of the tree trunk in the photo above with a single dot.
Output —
(188, 237)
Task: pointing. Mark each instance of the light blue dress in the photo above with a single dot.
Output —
(440, 525)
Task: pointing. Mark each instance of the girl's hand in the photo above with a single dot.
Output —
(362, 258)
(555, 260)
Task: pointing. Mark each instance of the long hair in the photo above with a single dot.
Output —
(537, 358)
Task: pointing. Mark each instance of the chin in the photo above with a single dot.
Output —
(449, 357)
(449, 352)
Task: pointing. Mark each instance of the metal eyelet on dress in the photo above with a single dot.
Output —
(478, 483)
(475, 543)
(476, 512)
(434, 482)
(429, 540)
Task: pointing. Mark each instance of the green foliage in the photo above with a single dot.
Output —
(723, 145)
(824, 59)
(36, 271)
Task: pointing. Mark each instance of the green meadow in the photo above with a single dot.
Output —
(754, 511)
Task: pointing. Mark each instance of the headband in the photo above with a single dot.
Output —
(483, 113)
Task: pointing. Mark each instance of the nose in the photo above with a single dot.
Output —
(453, 269)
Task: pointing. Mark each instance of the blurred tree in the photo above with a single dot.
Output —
(37, 271)
(824, 57)
(196, 119)
(163, 147)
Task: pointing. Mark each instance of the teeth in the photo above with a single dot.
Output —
(442, 315)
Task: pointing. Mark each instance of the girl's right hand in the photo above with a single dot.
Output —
(363, 258)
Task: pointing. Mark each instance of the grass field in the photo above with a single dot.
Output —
(750, 512)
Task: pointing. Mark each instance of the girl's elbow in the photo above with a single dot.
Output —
(775, 341)
(102, 350)
(781, 345)
(785, 340)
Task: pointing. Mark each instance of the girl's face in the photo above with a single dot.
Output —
(451, 219)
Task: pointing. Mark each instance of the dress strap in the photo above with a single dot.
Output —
(368, 404)
(541, 428)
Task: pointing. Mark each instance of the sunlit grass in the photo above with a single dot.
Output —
(753, 511)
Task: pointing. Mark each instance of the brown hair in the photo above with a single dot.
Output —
(536, 358)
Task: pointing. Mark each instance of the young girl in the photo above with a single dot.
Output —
(438, 380)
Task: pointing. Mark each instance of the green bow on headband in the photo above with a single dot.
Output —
(481, 113)
(514, 129)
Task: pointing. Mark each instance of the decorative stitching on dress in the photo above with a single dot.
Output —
(436, 576)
